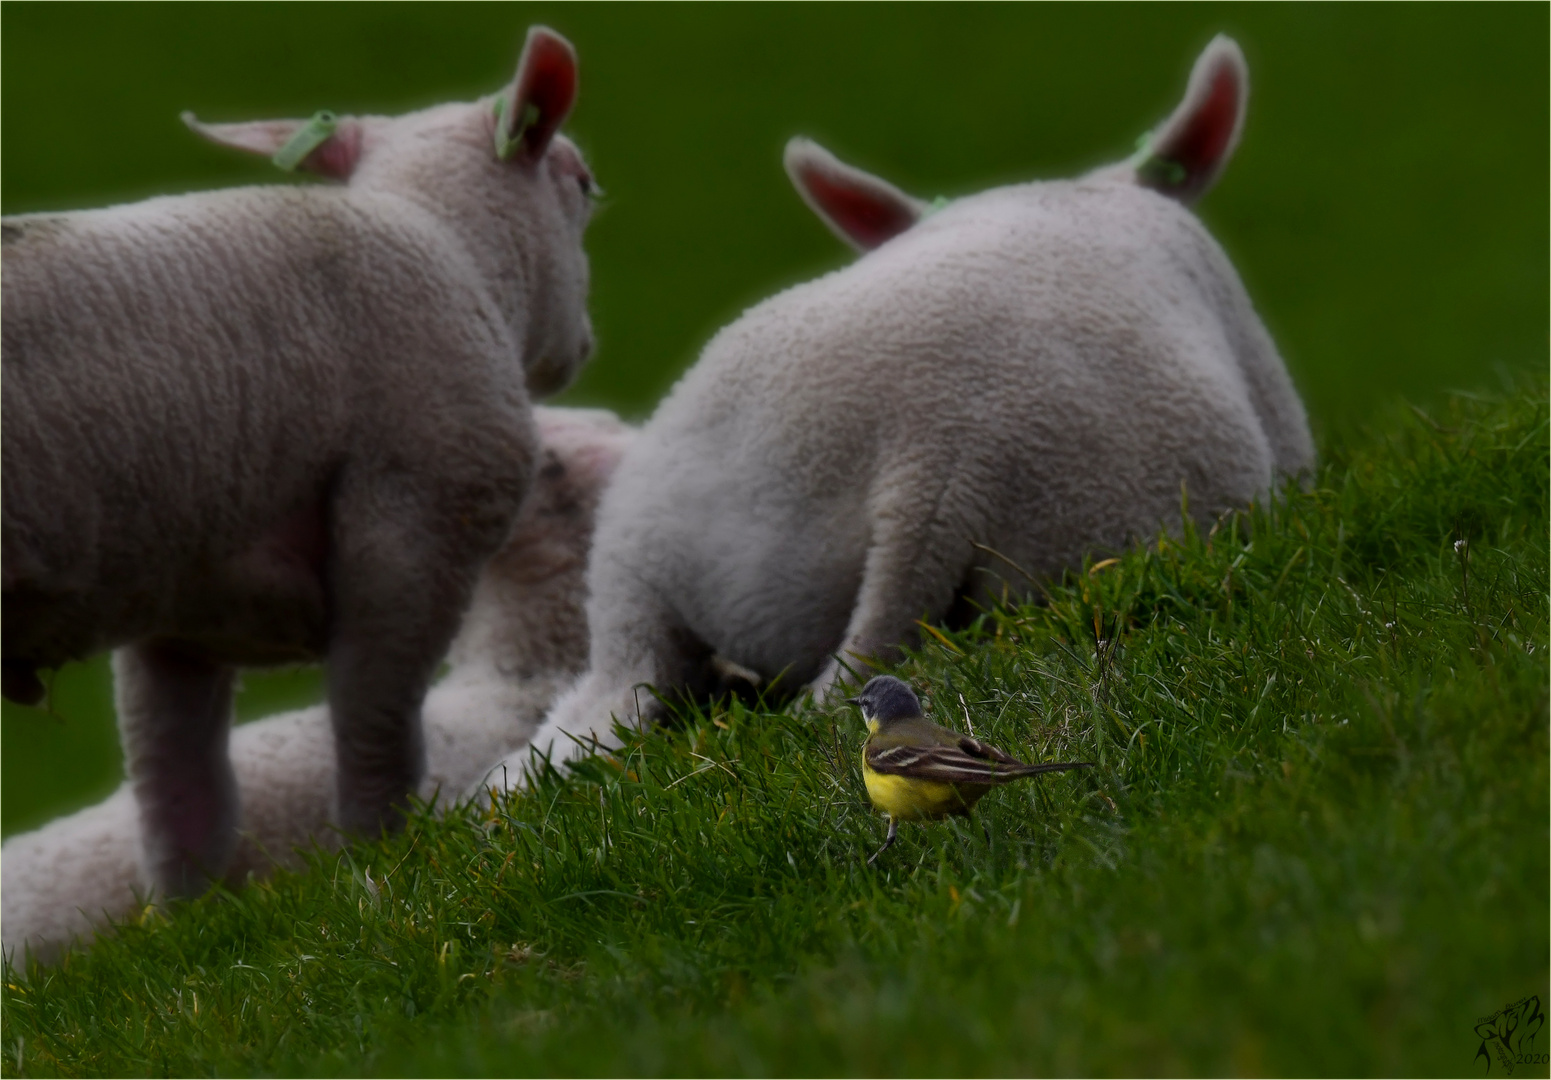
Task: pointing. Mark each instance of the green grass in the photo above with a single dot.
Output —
(1316, 842)
(1247, 884)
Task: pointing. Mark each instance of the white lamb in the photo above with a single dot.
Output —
(279, 423)
(524, 637)
(1020, 377)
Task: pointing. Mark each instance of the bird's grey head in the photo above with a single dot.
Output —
(886, 699)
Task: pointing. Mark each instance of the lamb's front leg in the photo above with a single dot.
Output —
(639, 651)
(580, 723)
(174, 710)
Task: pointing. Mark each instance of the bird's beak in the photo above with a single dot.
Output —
(854, 701)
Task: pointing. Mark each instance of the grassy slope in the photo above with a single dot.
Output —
(1316, 842)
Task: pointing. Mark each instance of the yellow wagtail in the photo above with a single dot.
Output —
(917, 770)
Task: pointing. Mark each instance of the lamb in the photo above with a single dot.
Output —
(990, 391)
(273, 424)
(524, 637)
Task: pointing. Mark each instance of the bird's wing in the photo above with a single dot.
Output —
(975, 748)
(954, 765)
(947, 764)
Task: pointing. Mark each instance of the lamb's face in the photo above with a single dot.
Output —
(525, 122)
(561, 333)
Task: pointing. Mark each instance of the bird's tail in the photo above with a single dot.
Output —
(1014, 772)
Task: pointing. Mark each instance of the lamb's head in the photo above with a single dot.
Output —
(516, 192)
(1181, 158)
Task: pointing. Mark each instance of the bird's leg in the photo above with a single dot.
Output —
(893, 831)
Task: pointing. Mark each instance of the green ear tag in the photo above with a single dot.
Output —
(505, 147)
(940, 203)
(1155, 170)
(1161, 172)
(311, 135)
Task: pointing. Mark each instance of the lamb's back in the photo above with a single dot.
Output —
(216, 349)
(1034, 316)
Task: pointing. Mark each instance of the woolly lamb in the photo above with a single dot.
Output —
(279, 423)
(524, 636)
(1015, 379)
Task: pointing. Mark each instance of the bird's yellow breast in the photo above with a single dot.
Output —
(907, 799)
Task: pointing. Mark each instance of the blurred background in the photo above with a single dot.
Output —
(1387, 207)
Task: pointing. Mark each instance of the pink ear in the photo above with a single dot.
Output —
(539, 99)
(335, 157)
(861, 209)
(1187, 153)
(590, 441)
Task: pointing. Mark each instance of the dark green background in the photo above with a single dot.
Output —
(1387, 206)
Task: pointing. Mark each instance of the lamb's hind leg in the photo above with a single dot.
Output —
(174, 711)
(914, 566)
(404, 558)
